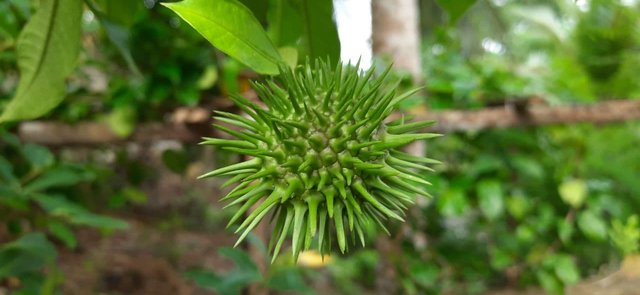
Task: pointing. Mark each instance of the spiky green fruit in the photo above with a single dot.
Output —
(323, 161)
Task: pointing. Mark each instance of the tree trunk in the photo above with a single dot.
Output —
(396, 34)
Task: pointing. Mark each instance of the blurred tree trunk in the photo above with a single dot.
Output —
(396, 36)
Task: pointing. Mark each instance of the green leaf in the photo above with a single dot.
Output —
(63, 233)
(48, 47)
(573, 192)
(231, 283)
(205, 279)
(285, 22)
(116, 16)
(28, 254)
(121, 38)
(122, 12)
(231, 76)
(259, 8)
(243, 262)
(592, 226)
(10, 139)
(500, 259)
(128, 195)
(57, 177)
(209, 77)
(189, 96)
(98, 221)
(424, 274)
(287, 279)
(565, 268)
(39, 157)
(134, 195)
(122, 120)
(490, 198)
(626, 236)
(176, 161)
(9, 23)
(289, 55)
(518, 206)
(60, 207)
(6, 172)
(13, 198)
(232, 28)
(455, 8)
(528, 166)
(484, 163)
(320, 38)
(549, 282)
(525, 233)
(453, 202)
(565, 231)
(546, 22)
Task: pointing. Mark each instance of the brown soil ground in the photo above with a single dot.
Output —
(140, 260)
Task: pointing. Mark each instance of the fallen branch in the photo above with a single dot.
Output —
(93, 133)
(510, 115)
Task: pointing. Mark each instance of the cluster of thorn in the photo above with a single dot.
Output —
(323, 161)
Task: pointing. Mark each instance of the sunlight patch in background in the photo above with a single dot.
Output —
(354, 28)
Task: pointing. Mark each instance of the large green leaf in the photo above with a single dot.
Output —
(233, 29)
(320, 32)
(48, 47)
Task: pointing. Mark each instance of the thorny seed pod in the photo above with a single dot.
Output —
(324, 163)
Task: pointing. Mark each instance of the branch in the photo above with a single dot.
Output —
(191, 130)
(93, 133)
(517, 115)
